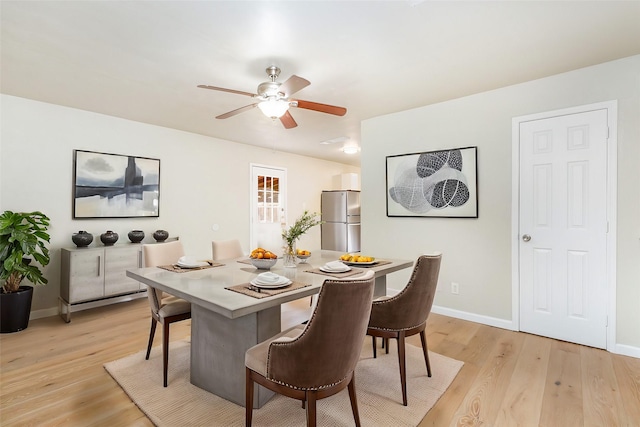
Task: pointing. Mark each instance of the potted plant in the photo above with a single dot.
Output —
(22, 240)
(293, 233)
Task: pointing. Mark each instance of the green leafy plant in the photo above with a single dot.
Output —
(22, 239)
(302, 224)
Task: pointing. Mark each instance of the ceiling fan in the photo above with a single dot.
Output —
(274, 99)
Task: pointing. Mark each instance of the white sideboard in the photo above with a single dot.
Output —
(92, 277)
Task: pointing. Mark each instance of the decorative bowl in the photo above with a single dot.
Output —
(303, 258)
(262, 263)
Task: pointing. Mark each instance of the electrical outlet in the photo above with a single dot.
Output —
(455, 288)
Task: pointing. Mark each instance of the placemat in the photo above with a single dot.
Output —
(177, 269)
(247, 289)
(351, 272)
(245, 261)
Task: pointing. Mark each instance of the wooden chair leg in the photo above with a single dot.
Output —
(152, 334)
(311, 408)
(354, 401)
(373, 341)
(423, 338)
(403, 367)
(248, 399)
(385, 344)
(165, 349)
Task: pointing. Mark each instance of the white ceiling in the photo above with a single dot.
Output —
(142, 60)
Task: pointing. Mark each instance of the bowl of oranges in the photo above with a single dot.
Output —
(356, 259)
(263, 259)
(302, 255)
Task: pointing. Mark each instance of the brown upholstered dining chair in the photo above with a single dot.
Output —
(226, 249)
(317, 360)
(406, 313)
(164, 310)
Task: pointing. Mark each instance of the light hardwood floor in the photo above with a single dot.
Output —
(52, 374)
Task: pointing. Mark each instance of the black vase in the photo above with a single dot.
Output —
(109, 238)
(136, 236)
(15, 308)
(82, 238)
(161, 235)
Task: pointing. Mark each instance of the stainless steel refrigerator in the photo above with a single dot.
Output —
(340, 211)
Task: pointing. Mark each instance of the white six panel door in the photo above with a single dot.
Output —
(563, 226)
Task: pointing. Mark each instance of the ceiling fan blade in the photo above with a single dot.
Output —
(287, 121)
(323, 108)
(293, 84)
(237, 111)
(221, 89)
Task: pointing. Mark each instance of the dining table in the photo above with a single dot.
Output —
(229, 316)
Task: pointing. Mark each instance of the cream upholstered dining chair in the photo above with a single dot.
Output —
(164, 310)
(226, 249)
(316, 360)
(406, 313)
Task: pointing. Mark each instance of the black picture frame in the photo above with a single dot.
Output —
(109, 185)
(441, 184)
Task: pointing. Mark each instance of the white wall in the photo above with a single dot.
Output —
(203, 180)
(477, 252)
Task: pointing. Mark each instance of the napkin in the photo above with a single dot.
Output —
(335, 265)
(190, 262)
(268, 277)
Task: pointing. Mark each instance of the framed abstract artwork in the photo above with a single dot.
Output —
(115, 186)
(440, 183)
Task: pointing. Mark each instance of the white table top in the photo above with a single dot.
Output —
(207, 287)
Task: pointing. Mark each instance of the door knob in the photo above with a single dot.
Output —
(526, 237)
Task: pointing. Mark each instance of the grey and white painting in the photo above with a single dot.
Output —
(115, 186)
(437, 183)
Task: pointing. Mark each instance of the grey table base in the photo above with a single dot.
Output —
(219, 345)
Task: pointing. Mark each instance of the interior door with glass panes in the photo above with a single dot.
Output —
(268, 207)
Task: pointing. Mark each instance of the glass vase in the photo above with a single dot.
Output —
(289, 255)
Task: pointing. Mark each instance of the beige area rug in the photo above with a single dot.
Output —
(377, 387)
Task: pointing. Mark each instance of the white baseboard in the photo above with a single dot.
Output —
(627, 350)
(473, 317)
(47, 312)
(622, 349)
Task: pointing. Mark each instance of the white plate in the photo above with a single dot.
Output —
(329, 270)
(192, 265)
(265, 283)
(360, 263)
(287, 282)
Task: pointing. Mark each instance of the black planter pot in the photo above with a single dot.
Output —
(15, 308)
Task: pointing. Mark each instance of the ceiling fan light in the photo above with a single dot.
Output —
(273, 108)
